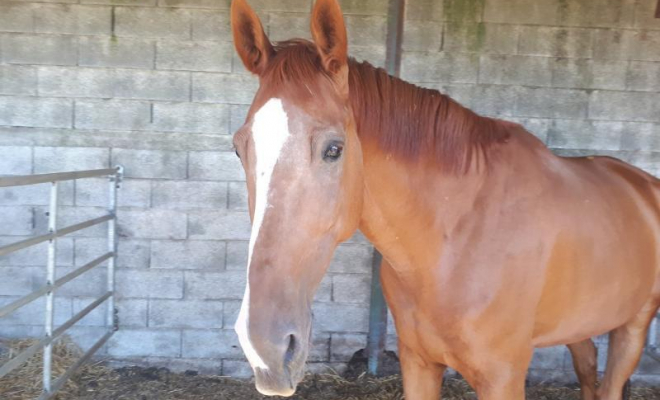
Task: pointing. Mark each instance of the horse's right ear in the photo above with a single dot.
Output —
(250, 40)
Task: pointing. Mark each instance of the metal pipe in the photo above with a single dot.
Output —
(113, 184)
(15, 305)
(46, 340)
(50, 280)
(23, 180)
(651, 348)
(10, 248)
(62, 379)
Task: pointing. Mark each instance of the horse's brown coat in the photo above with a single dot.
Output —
(494, 245)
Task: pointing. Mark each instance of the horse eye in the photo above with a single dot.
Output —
(333, 152)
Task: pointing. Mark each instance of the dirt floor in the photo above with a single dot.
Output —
(98, 382)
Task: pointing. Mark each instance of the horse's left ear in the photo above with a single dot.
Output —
(329, 33)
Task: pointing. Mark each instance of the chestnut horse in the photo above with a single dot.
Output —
(494, 245)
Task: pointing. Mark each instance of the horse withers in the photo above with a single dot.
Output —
(494, 245)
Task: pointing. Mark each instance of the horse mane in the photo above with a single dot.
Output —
(404, 119)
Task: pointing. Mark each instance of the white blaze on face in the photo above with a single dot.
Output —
(270, 130)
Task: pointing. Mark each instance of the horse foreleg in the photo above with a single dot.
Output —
(422, 380)
(584, 356)
(625, 349)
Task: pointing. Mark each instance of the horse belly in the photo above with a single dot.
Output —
(588, 293)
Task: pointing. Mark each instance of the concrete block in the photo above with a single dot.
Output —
(555, 42)
(580, 134)
(238, 196)
(494, 100)
(599, 13)
(225, 285)
(646, 46)
(152, 85)
(284, 26)
(39, 49)
(86, 336)
(33, 313)
(21, 331)
(96, 317)
(230, 314)
(67, 216)
(219, 225)
(116, 52)
(185, 314)
(63, 159)
(237, 255)
(152, 224)
(375, 55)
(539, 127)
(644, 76)
(424, 10)
(498, 39)
(319, 350)
(324, 291)
(552, 103)
(36, 112)
(194, 56)
(37, 195)
(36, 255)
(166, 23)
(366, 30)
(645, 15)
(16, 221)
(73, 19)
(627, 44)
(151, 164)
(353, 317)
(363, 7)
(287, 5)
(16, 17)
(131, 253)
(211, 25)
(211, 344)
(549, 357)
(515, 70)
(177, 195)
(236, 368)
(352, 258)
(223, 88)
(423, 36)
(145, 342)
(222, 4)
(20, 281)
(15, 160)
(92, 284)
(344, 345)
(76, 82)
(121, 2)
(480, 37)
(149, 284)
(18, 80)
(208, 255)
(132, 193)
(191, 117)
(132, 313)
(572, 73)
(522, 12)
(216, 166)
(447, 67)
(351, 288)
(624, 106)
(640, 136)
(113, 115)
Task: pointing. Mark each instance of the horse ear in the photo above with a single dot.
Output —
(329, 33)
(250, 40)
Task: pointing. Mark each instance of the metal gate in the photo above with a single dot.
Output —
(51, 333)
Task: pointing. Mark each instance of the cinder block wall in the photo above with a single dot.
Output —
(155, 85)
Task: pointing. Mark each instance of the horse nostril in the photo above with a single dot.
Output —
(290, 350)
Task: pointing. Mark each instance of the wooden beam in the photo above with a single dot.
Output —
(657, 10)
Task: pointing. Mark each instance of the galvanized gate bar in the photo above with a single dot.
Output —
(22, 357)
(11, 307)
(10, 248)
(25, 180)
(48, 291)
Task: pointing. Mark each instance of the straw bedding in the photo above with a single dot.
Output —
(98, 382)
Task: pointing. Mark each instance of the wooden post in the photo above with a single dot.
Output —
(657, 10)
